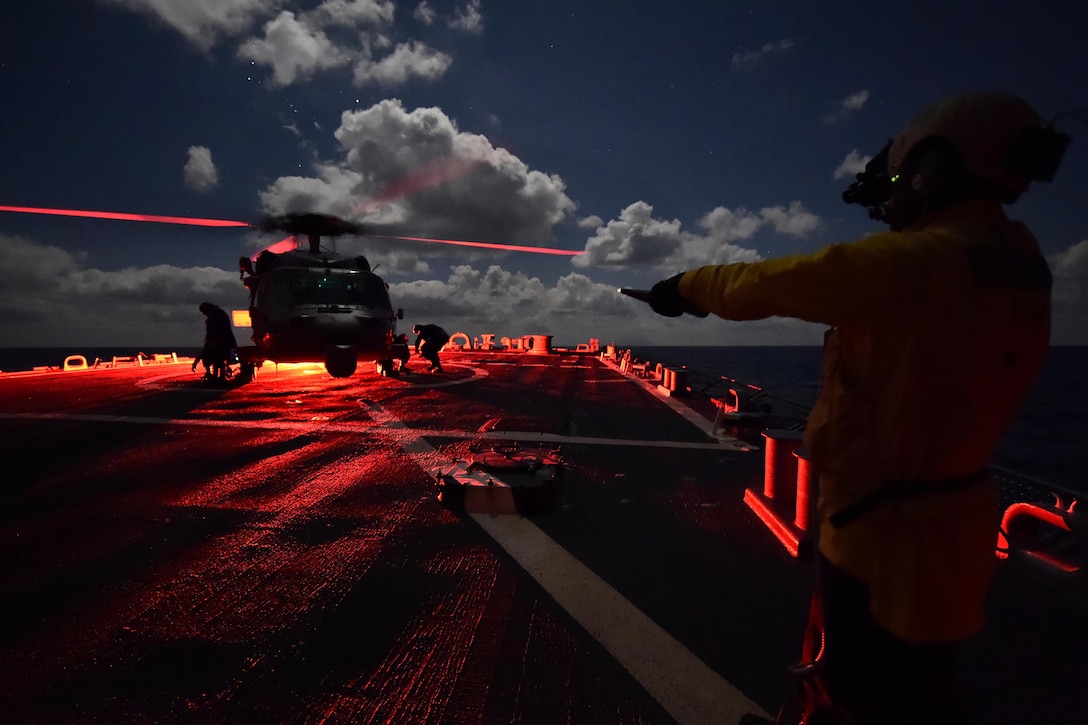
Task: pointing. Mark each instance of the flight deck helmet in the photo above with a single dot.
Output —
(986, 144)
(988, 130)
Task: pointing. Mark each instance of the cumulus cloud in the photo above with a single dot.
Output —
(852, 165)
(418, 173)
(51, 297)
(637, 238)
(294, 46)
(352, 13)
(511, 303)
(573, 309)
(200, 172)
(407, 61)
(468, 18)
(793, 220)
(748, 60)
(847, 106)
(292, 50)
(425, 13)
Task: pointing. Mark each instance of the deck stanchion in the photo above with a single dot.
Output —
(777, 505)
(803, 512)
(674, 381)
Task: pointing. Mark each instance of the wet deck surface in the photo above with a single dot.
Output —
(274, 552)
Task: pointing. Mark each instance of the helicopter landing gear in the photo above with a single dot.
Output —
(246, 373)
(340, 362)
(386, 368)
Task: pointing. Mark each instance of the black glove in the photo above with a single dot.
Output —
(665, 299)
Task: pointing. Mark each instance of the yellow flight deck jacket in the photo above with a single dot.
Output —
(938, 332)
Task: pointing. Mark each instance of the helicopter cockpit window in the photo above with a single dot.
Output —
(331, 287)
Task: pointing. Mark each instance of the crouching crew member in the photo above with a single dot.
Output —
(429, 340)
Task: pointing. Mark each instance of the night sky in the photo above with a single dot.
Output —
(654, 136)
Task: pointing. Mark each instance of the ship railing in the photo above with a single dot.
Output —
(79, 362)
(1042, 526)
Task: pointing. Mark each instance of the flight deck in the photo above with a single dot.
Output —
(277, 552)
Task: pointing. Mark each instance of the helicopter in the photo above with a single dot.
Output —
(310, 305)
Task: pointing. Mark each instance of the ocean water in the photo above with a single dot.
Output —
(1049, 440)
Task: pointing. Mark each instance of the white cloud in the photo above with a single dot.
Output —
(636, 238)
(574, 309)
(794, 220)
(729, 225)
(847, 106)
(852, 165)
(330, 192)
(418, 171)
(425, 13)
(407, 61)
(468, 18)
(296, 46)
(352, 13)
(507, 303)
(50, 297)
(293, 50)
(200, 172)
(747, 60)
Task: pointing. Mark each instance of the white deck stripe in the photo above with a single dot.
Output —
(689, 690)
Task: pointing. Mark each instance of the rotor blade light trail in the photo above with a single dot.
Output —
(190, 221)
(490, 245)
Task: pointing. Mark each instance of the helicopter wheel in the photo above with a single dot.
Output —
(340, 362)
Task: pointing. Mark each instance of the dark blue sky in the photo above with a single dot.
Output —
(658, 136)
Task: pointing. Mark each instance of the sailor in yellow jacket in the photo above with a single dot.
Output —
(938, 330)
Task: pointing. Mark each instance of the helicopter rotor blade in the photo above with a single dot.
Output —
(486, 245)
(324, 225)
(121, 216)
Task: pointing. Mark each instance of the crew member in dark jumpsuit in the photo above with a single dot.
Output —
(429, 340)
(218, 342)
